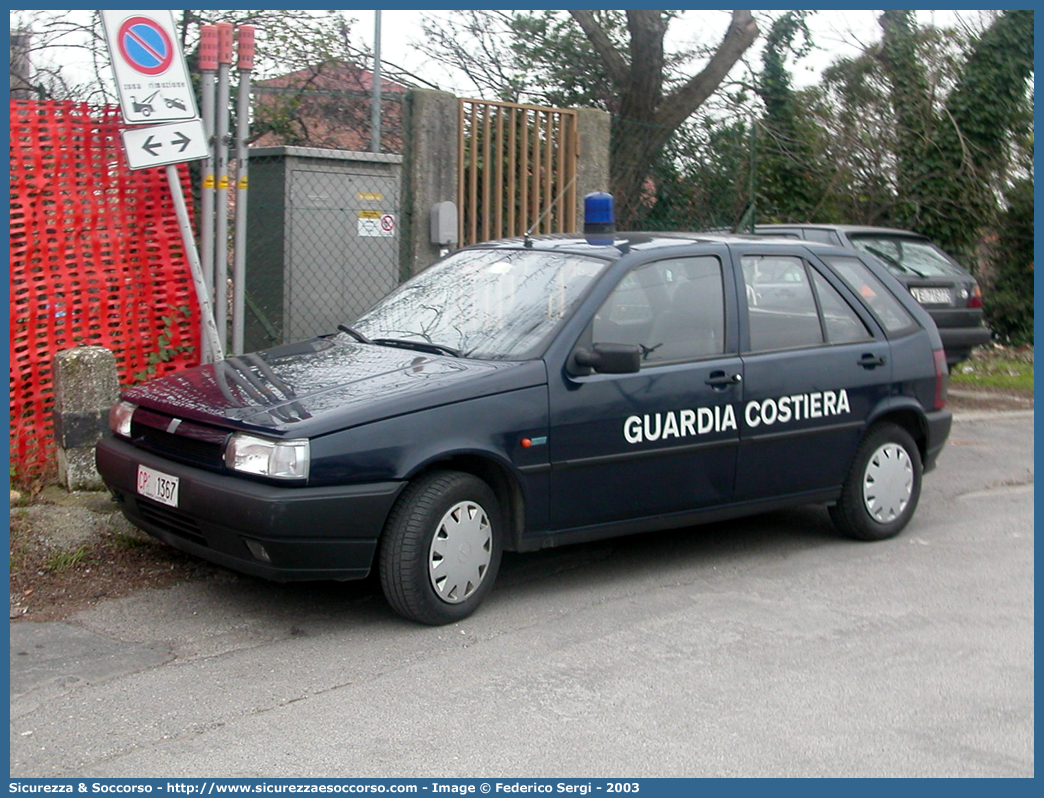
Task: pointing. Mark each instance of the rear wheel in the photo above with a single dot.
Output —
(441, 548)
(880, 494)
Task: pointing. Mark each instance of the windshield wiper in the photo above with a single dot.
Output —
(358, 336)
(894, 261)
(419, 346)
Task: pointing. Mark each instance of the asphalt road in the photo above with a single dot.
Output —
(765, 647)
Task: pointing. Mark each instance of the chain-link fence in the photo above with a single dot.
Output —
(322, 240)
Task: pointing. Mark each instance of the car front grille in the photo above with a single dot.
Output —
(184, 441)
(178, 447)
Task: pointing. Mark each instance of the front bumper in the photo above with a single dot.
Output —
(306, 533)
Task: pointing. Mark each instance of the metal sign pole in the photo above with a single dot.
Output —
(211, 343)
(245, 65)
(208, 67)
(225, 30)
(375, 103)
(154, 86)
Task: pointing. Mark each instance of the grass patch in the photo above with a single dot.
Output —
(121, 540)
(61, 561)
(996, 368)
(21, 549)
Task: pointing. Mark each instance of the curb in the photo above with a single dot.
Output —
(988, 415)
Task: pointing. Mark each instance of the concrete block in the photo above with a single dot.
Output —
(85, 387)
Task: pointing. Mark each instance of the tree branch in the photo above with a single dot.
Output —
(647, 29)
(611, 58)
(676, 108)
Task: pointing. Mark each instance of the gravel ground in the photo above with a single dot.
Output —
(72, 550)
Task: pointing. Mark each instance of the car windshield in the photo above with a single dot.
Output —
(908, 255)
(492, 304)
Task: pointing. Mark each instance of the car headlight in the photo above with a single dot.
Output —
(120, 418)
(264, 457)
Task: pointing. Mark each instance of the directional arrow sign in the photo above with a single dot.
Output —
(152, 147)
(163, 144)
(180, 140)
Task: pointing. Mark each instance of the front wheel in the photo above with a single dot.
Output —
(441, 548)
(880, 494)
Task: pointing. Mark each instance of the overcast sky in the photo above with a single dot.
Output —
(836, 33)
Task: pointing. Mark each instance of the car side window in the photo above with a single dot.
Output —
(674, 310)
(840, 320)
(892, 315)
(778, 234)
(781, 307)
(826, 236)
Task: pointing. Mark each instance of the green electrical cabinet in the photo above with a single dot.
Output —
(322, 240)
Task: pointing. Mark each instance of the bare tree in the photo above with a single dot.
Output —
(60, 56)
(614, 60)
(649, 115)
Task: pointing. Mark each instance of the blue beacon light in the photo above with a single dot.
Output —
(599, 219)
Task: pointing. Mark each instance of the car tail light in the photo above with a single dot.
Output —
(975, 297)
(942, 378)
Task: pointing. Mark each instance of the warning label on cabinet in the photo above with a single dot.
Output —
(375, 224)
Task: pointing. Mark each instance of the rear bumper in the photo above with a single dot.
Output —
(939, 423)
(959, 341)
(305, 533)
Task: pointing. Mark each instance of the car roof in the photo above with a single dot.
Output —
(841, 228)
(615, 245)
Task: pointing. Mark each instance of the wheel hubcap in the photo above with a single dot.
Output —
(888, 483)
(460, 552)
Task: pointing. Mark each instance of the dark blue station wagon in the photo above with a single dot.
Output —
(540, 391)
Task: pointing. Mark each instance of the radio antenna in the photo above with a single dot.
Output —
(525, 238)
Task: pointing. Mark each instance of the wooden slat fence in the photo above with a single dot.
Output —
(516, 170)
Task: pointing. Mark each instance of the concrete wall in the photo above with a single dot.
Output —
(21, 66)
(593, 166)
(429, 172)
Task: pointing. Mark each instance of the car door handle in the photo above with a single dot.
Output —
(719, 379)
(869, 361)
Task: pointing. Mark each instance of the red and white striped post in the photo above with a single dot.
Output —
(208, 47)
(225, 33)
(244, 64)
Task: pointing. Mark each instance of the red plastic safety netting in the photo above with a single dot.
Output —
(96, 259)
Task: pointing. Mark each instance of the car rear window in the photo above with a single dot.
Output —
(905, 255)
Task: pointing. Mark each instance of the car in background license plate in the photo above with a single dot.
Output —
(932, 296)
(158, 486)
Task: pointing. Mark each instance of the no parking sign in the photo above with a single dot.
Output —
(152, 79)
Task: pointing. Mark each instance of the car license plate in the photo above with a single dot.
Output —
(932, 296)
(158, 486)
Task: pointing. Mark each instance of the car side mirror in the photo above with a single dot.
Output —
(610, 358)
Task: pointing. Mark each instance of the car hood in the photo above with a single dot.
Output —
(325, 384)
